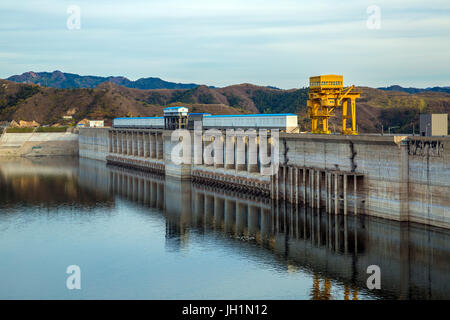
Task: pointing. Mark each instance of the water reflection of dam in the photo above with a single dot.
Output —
(145, 188)
(414, 260)
(45, 182)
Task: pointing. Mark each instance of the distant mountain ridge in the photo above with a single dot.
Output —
(415, 90)
(62, 80)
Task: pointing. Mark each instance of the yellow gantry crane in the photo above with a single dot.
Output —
(327, 93)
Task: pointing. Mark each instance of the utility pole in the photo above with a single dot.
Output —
(392, 128)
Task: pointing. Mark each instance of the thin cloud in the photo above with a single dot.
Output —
(273, 42)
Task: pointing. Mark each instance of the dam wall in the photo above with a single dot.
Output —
(398, 177)
(401, 178)
(93, 143)
(429, 180)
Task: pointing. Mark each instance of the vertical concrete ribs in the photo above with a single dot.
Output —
(335, 191)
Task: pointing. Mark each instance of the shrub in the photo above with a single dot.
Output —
(19, 130)
(51, 129)
(39, 129)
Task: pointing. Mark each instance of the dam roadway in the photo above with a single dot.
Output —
(403, 178)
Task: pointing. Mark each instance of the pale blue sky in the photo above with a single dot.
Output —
(276, 42)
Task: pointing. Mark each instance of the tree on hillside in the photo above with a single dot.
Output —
(280, 102)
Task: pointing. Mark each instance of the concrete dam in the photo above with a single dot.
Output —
(402, 178)
(332, 247)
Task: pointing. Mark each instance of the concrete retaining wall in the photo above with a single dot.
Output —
(38, 144)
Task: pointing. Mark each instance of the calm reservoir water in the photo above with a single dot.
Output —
(142, 236)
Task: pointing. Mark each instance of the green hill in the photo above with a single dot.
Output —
(376, 108)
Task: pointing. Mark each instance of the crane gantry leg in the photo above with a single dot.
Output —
(352, 116)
